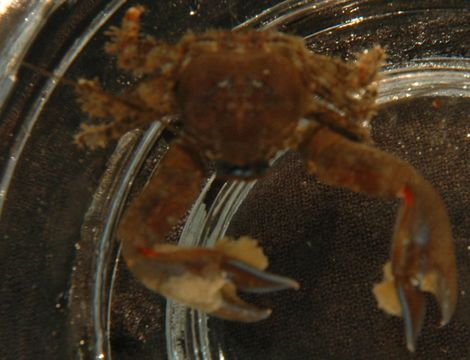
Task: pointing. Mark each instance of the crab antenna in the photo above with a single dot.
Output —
(48, 74)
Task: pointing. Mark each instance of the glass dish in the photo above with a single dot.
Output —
(66, 294)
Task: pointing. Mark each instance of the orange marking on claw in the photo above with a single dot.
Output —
(407, 195)
(148, 252)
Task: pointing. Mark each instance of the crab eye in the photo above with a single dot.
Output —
(228, 170)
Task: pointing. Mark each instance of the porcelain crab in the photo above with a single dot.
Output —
(242, 97)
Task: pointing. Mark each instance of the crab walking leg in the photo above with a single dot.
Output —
(202, 278)
(422, 256)
(138, 53)
(135, 108)
(127, 112)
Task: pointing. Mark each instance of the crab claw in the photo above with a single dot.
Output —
(249, 279)
(208, 278)
(422, 250)
(422, 260)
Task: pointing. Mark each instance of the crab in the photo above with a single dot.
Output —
(241, 98)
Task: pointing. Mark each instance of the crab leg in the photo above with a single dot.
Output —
(203, 278)
(422, 257)
(135, 52)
